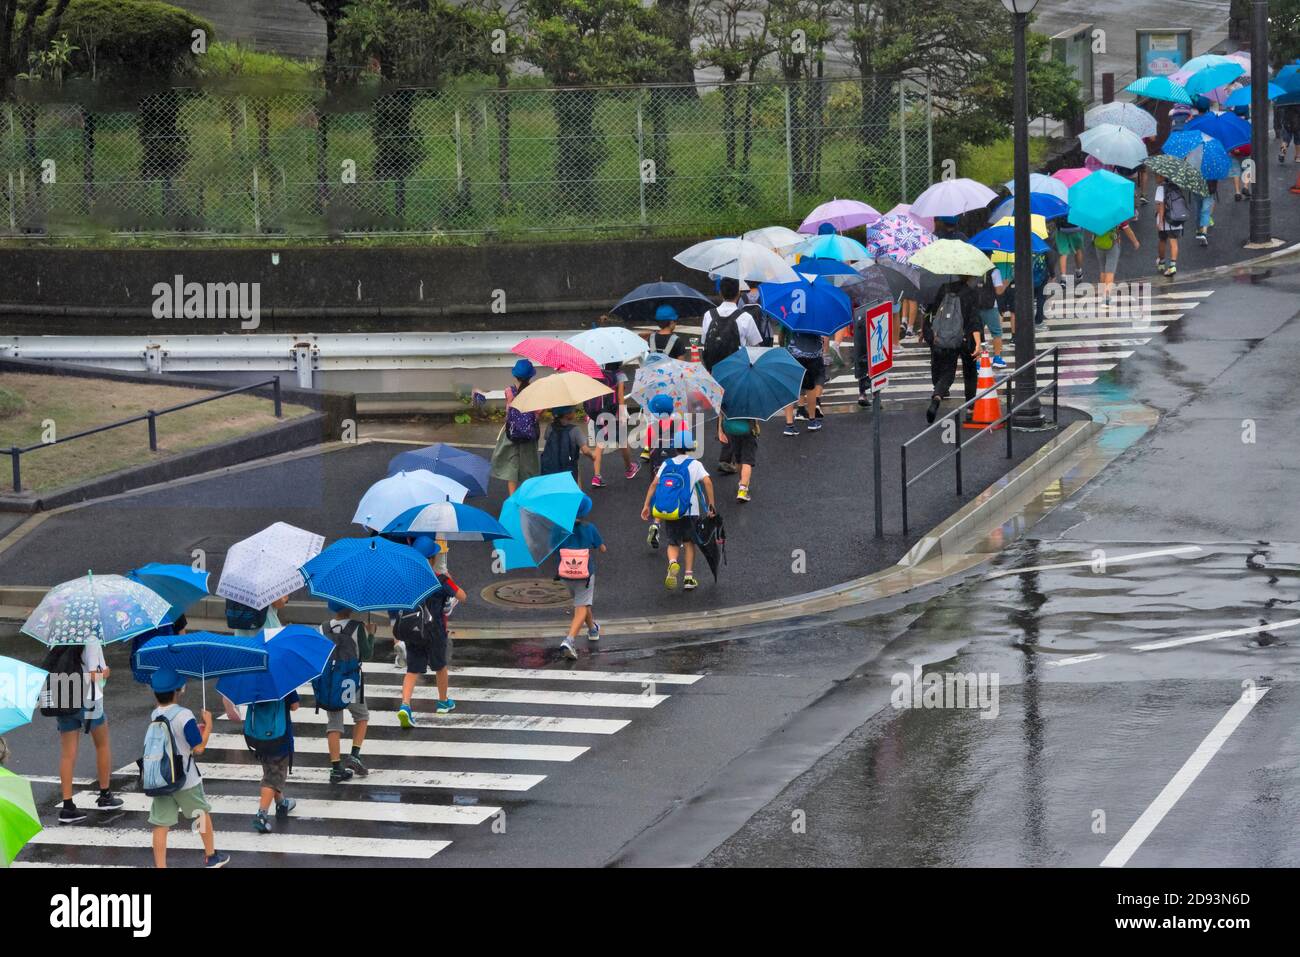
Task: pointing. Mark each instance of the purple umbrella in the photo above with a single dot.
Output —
(897, 237)
(841, 213)
(952, 197)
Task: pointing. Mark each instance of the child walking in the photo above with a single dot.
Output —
(578, 569)
(673, 500)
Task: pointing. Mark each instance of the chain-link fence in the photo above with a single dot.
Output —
(508, 162)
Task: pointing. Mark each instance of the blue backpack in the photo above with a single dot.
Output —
(162, 769)
(672, 498)
(341, 683)
(266, 727)
(240, 617)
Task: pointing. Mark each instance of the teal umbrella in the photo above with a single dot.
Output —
(20, 686)
(758, 383)
(539, 516)
(1101, 202)
(1160, 88)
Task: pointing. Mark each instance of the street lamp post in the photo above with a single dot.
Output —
(1026, 378)
(1261, 204)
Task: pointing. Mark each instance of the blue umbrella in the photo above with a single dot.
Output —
(180, 585)
(539, 516)
(1228, 128)
(468, 469)
(1003, 239)
(1160, 88)
(1101, 202)
(370, 574)
(814, 266)
(640, 304)
(20, 686)
(1242, 96)
(1213, 77)
(1200, 151)
(450, 521)
(295, 655)
(758, 383)
(1040, 204)
(816, 308)
(203, 655)
(833, 246)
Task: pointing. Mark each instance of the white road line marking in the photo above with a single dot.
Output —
(181, 837)
(460, 721)
(1188, 294)
(35, 864)
(423, 749)
(1176, 642)
(544, 674)
(586, 699)
(1076, 660)
(378, 777)
(1109, 561)
(310, 809)
(1119, 855)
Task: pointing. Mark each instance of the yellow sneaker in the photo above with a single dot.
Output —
(673, 569)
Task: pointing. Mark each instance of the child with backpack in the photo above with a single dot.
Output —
(673, 499)
(514, 459)
(1171, 214)
(268, 732)
(739, 439)
(342, 687)
(953, 330)
(577, 568)
(423, 630)
(168, 772)
(666, 341)
(727, 326)
(610, 405)
(565, 444)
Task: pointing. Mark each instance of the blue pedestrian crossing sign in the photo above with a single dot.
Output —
(880, 343)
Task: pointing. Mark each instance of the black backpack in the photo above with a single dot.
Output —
(1175, 205)
(560, 454)
(948, 327)
(242, 617)
(722, 339)
(64, 693)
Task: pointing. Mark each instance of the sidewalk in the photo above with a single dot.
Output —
(809, 526)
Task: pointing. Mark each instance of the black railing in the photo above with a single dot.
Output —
(16, 453)
(1012, 408)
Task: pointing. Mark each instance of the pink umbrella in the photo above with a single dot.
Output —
(841, 213)
(557, 354)
(905, 209)
(1072, 175)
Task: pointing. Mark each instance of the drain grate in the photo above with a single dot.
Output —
(528, 593)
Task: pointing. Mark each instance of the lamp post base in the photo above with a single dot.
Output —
(1266, 244)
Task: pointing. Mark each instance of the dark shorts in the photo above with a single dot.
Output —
(428, 657)
(275, 771)
(679, 532)
(1171, 231)
(742, 449)
(814, 371)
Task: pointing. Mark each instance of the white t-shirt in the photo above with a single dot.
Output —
(697, 472)
(92, 660)
(185, 729)
(749, 334)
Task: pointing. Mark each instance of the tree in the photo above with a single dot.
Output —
(677, 25)
(801, 30)
(332, 12)
(736, 41)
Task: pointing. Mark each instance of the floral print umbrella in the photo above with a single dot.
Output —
(105, 608)
(692, 389)
(897, 237)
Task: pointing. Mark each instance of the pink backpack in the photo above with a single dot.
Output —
(575, 563)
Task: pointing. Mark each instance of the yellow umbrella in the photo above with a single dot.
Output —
(1037, 224)
(560, 390)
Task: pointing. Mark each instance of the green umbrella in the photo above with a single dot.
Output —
(1178, 173)
(19, 822)
(951, 256)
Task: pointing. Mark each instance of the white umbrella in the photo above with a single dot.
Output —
(265, 566)
(390, 497)
(737, 259)
(1114, 145)
(776, 238)
(1041, 183)
(1128, 115)
(952, 197)
(608, 344)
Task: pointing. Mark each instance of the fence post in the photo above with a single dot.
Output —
(460, 163)
(153, 431)
(902, 140)
(957, 423)
(18, 474)
(275, 389)
(789, 156)
(640, 151)
(929, 131)
(13, 219)
(903, 459)
(257, 213)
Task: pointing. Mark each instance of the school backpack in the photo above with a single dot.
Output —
(603, 403)
(722, 339)
(1104, 240)
(521, 426)
(1175, 204)
(575, 563)
(243, 618)
(65, 687)
(672, 498)
(948, 327)
(738, 427)
(667, 348)
(266, 727)
(342, 682)
(162, 769)
(560, 453)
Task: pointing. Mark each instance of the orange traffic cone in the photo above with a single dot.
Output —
(988, 409)
(1296, 188)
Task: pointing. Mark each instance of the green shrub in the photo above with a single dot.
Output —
(10, 403)
(130, 40)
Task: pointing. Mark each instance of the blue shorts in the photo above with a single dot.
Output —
(993, 319)
(78, 722)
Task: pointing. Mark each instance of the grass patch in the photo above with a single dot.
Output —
(995, 163)
(10, 404)
(72, 405)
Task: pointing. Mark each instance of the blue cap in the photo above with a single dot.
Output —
(661, 404)
(426, 545)
(665, 313)
(523, 369)
(826, 229)
(584, 506)
(164, 680)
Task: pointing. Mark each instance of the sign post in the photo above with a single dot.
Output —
(880, 359)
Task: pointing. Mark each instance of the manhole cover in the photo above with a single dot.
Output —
(528, 593)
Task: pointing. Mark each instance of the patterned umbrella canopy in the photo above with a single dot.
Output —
(897, 237)
(558, 355)
(1200, 151)
(691, 388)
(1176, 171)
(952, 256)
(1128, 115)
(905, 209)
(106, 608)
(264, 567)
(1160, 88)
(370, 574)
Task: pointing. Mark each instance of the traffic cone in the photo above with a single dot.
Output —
(1296, 188)
(989, 408)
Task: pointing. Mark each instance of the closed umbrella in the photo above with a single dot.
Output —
(556, 391)
(842, 214)
(467, 468)
(1101, 202)
(952, 256)
(1040, 183)
(608, 344)
(1128, 115)
(952, 197)
(639, 305)
(19, 822)
(1179, 173)
(20, 687)
(711, 539)
(1114, 145)
(688, 384)
(180, 585)
(448, 520)
(295, 654)
(558, 355)
(734, 258)
(263, 567)
(392, 496)
(814, 308)
(103, 608)
(758, 383)
(539, 516)
(1200, 151)
(370, 574)
(1160, 88)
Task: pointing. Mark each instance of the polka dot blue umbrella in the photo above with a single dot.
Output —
(295, 655)
(203, 655)
(370, 574)
(1200, 151)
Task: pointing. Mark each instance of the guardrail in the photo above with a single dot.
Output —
(1012, 408)
(16, 452)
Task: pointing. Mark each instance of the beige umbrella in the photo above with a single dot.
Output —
(560, 390)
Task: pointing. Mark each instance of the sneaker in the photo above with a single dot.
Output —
(405, 717)
(339, 775)
(107, 801)
(742, 494)
(1078, 275)
(645, 455)
(814, 425)
(999, 362)
(399, 658)
(726, 468)
(353, 763)
(652, 536)
(567, 649)
(689, 583)
(597, 482)
(262, 823)
(632, 471)
(932, 410)
(1203, 239)
(800, 413)
(863, 401)
(216, 860)
(1172, 270)
(287, 805)
(71, 815)
(791, 430)
(671, 580)
(1143, 200)
(445, 707)
(452, 602)
(593, 633)
(818, 410)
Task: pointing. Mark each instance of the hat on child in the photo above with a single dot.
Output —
(665, 314)
(523, 369)
(661, 404)
(164, 680)
(426, 545)
(584, 506)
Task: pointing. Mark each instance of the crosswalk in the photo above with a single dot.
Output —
(1093, 338)
(425, 786)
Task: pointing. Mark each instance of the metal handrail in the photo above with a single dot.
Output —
(1012, 408)
(16, 452)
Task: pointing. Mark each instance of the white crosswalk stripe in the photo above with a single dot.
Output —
(423, 777)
